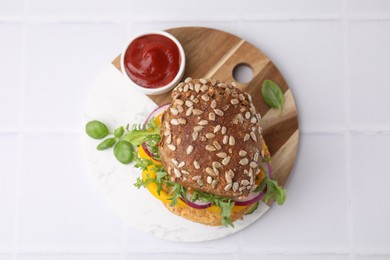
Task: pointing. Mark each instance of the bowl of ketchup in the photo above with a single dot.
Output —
(153, 62)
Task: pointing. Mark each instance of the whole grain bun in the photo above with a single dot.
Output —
(211, 138)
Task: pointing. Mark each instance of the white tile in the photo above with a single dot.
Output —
(6, 257)
(373, 7)
(370, 187)
(58, 206)
(289, 7)
(77, 8)
(141, 26)
(70, 257)
(63, 61)
(309, 55)
(294, 257)
(10, 53)
(11, 7)
(8, 162)
(164, 256)
(369, 61)
(315, 212)
(137, 241)
(373, 257)
(183, 10)
(196, 10)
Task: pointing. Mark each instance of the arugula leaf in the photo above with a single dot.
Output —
(140, 183)
(177, 191)
(274, 191)
(226, 211)
(152, 145)
(160, 177)
(143, 163)
(226, 205)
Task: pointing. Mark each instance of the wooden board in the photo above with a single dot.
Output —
(214, 54)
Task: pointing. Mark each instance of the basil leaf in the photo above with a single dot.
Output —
(106, 144)
(272, 94)
(124, 152)
(119, 132)
(96, 129)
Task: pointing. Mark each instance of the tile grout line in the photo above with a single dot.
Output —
(123, 250)
(347, 134)
(20, 136)
(310, 131)
(249, 18)
(22, 73)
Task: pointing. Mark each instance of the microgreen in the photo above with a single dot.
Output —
(226, 205)
(274, 191)
(177, 191)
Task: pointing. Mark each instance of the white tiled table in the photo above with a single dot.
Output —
(335, 55)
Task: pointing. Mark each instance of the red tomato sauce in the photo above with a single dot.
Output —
(152, 61)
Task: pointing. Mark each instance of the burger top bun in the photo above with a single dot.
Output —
(211, 138)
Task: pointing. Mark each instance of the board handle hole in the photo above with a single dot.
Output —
(243, 73)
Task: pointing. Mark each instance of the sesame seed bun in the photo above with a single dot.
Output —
(211, 138)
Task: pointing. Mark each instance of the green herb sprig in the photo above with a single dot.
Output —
(226, 205)
(274, 191)
(124, 139)
(273, 95)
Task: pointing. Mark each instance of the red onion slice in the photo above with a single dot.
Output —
(254, 197)
(156, 112)
(268, 168)
(198, 204)
(149, 153)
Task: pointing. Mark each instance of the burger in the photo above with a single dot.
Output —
(204, 156)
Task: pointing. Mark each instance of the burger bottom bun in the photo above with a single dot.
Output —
(205, 216)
